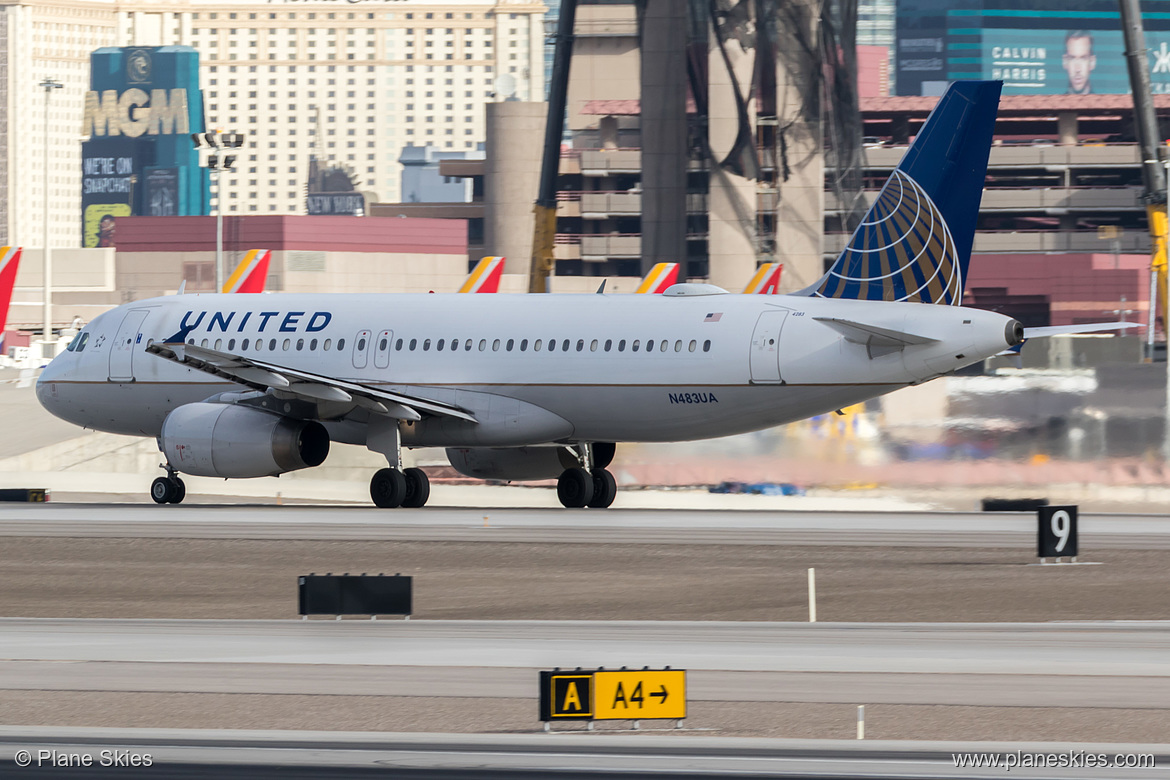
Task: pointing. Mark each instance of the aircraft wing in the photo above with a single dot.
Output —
(261, 375)
(1088, 327)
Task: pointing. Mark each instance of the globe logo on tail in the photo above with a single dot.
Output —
(902, 251)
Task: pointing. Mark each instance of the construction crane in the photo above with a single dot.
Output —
(1153, 172)
(545, 228)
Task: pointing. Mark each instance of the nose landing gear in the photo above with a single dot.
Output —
(169, 489)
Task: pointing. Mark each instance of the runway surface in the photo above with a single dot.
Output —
(578, 756)
(907, 529)
(1124, 665)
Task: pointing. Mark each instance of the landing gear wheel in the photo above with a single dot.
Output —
(604, 489)
(418, 488)
(180, 490)
(388, 488)
(160, 490)
(575, 488)
(168, 490)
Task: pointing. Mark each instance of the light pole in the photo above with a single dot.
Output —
(47, 347)
(209, 146)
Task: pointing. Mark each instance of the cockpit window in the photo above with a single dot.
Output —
(79, 342)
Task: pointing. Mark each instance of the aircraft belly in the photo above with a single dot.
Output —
(688, 412)
(134, 409)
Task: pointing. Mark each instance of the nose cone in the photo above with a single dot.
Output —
(46, 383)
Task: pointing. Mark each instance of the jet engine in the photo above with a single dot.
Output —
(511, 463)
(225, 440)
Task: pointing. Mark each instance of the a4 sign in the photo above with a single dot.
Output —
(613, 695)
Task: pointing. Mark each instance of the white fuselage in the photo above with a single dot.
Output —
(718, 364)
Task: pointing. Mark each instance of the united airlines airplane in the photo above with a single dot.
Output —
(523, 387)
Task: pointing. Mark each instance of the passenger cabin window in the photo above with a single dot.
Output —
(271, 345)
(340, 344)
(398, 345)
(511, 343)
(328, 343)
(413, 344)
(439, 346)
(286, 345)
(593, 346)
(313, 345)
(608, 344)
(523, 345)
(467, 346)
(536, 346)
(231, 344)
(496, 345)
(649, 345)
(622, 345)
(707, 345)
(300, 344)
(482, 344)
(634, 346)
(678, 346)
(693, 345)
(244, 344)
(427, 345)
(565, 345)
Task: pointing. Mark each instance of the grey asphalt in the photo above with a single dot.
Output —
(1122, 665)
(318, 754)
(630, 526)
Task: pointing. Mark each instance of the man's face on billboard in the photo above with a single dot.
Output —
(1079, 61)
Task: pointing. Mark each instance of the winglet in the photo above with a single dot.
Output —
(251, 274)
(485, 277)
(766, 281)
(661, 276)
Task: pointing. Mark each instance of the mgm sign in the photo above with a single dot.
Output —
(143, 104)
(135, 112)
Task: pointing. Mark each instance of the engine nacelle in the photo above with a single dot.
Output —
(511, 463)
(225, 440)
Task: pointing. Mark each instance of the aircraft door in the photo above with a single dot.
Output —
(382, 349)
(765, 356)
(124, 345)
(361, 349)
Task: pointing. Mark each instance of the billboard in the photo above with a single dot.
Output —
(1049, 47)
(1069, 62)
(143, 104)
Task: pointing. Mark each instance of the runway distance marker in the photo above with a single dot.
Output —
(1057, 532)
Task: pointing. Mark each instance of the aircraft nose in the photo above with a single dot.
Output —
(46, 382)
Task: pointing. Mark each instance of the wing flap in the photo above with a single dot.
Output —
(262, 375)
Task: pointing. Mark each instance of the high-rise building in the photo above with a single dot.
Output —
(371, 77)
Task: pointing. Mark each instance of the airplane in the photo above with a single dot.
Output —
(661, 277)
(766, 281)
(9, 263)
(528, 387)
(485, 277)
(251, 275)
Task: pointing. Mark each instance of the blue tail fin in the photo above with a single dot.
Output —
(915, 242)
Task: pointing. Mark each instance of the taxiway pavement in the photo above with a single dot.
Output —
(630, 526)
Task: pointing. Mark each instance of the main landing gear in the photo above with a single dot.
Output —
(169, 489)
(390, 488)
(589, 485)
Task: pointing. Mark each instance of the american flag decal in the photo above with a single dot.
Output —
(715, 317)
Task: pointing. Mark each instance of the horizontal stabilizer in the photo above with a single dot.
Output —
(872, 335)
(1088, 327)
